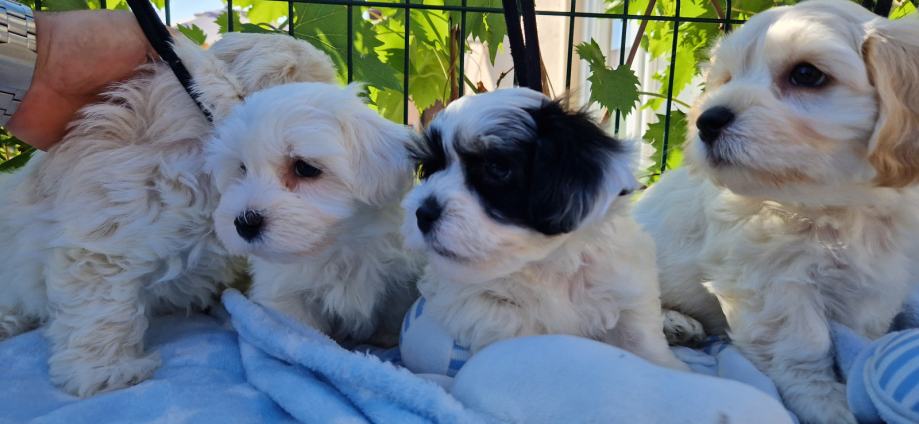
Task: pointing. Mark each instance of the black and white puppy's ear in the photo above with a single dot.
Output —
(578, 170)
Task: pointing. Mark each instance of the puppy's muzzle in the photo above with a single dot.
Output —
(427, 214)
(249, 224)
(712, 122)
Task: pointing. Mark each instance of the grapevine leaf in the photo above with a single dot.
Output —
(495, 30)
(611, 88)
(222, 22)
(193, 32)
(63, 5)
(636, 7)
(427, 83)
(655, 136)
(267, 11)
(388, 103)
(904, 9)
(16, 161)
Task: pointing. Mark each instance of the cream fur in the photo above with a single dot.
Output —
(808, 223)
(114, 223)
(330, 253)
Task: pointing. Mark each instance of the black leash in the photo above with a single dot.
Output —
(880, 8)
(161, 40)
(527, 68)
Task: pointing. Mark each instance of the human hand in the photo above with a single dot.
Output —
(79, 53)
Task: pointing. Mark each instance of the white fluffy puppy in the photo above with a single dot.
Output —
(798, 204)
(523, 214)
(310, 181)
(114, 223)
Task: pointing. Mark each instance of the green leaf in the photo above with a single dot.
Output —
(591, 53)
(388, 103)
(655, 136)
(63, 5)
(266, 11)
(324, 26)
(611, 88)
(636, 7)
(193, 32)
(222, 22)
(495, 30)
(904, 9)
(18, 161)
(427, 83)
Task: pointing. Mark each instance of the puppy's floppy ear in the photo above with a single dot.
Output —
(380, 156)
(578, 170)
(891, 53)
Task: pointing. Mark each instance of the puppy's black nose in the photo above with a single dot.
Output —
(427, 214)
(249, 224)
(712, 122)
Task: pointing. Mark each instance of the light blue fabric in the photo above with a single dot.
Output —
(357, 384)
(273, 370)
(882, 376)
(201, 380)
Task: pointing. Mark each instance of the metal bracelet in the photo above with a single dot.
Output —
(18, 53)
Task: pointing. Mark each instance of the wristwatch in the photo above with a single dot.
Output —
(17, 55)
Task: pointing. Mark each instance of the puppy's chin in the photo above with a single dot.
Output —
(447, 265)
(746, 177)
(490, 265)
(273, 246)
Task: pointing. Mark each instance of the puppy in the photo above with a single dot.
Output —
(798, 202)
(523, 215)
(310, 181)
(114, 223)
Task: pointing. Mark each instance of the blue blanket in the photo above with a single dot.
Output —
(252, 365)
(201, 380)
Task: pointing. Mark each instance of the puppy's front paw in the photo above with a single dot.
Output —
(13, 323)
(86, 378)
(682, 329)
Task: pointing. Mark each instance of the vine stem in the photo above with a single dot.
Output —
(718, 10)
(659, 95)
(641, 33)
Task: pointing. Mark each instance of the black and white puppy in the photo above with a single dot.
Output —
(523, 215)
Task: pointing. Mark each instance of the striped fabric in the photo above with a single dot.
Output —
(889, 376)
(455, 357)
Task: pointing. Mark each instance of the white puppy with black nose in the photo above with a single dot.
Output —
(310, 181)
(523, 215)
(799, 202)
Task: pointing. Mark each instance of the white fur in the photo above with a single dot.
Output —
(330, 254)
(114, 223)
(805, 226)
(487, 281)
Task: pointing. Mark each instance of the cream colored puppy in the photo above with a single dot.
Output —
(798, 204)
(114, 223)
(310, 181)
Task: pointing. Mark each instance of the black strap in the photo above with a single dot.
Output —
(161, 41)
(880, 8)
(527, 69)
(534, 68)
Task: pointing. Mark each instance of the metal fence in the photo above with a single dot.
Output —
(632, 13)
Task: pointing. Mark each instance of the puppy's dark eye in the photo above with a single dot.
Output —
(242, 168)
(498, 170)
(807, 75)
(305, 170)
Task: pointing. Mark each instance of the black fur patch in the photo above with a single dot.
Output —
(548, 182)
(428, 154)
